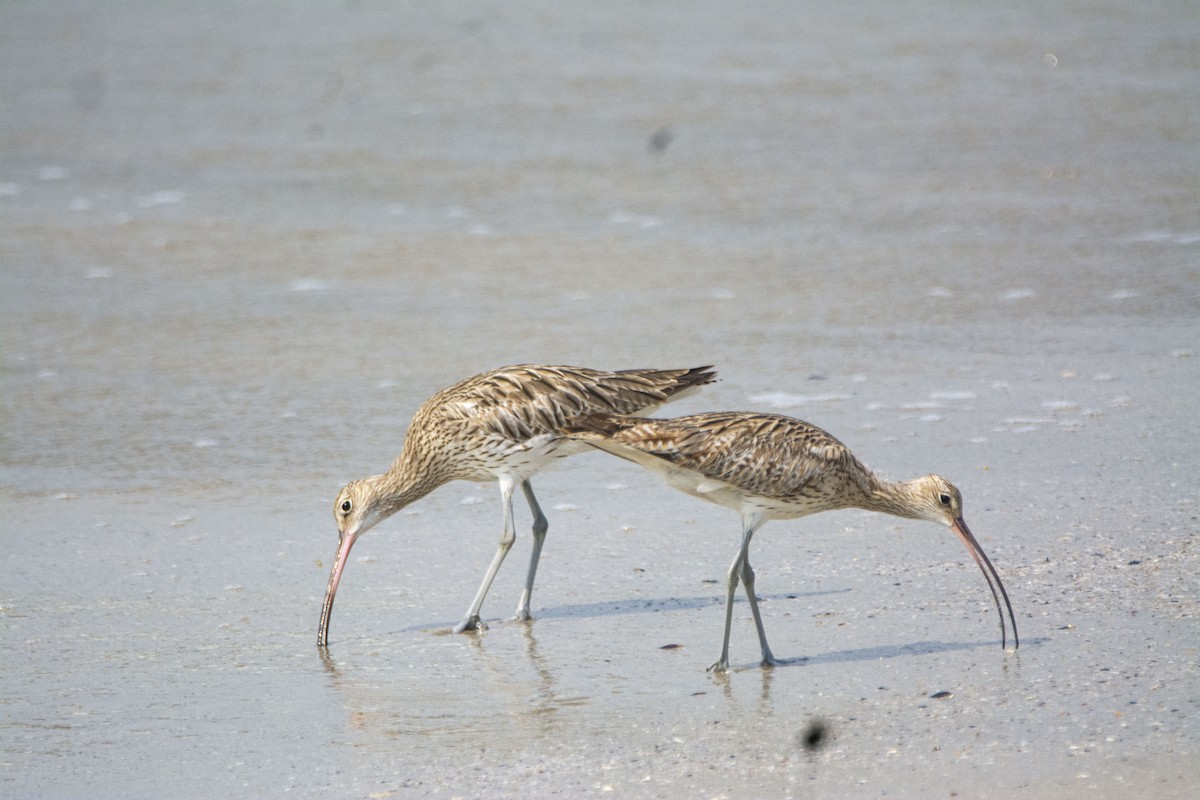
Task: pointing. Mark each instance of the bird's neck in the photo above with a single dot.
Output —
(898, 498)
(403, 484)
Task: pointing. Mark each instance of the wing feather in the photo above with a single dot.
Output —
(763, 454)
(525, 401)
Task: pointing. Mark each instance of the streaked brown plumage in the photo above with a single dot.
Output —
(767, 466)
(501, 425)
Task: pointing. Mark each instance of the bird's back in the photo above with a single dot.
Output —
(511, 419)
(783, 465)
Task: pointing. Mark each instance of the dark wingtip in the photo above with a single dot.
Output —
(677, 380)
(700, 376)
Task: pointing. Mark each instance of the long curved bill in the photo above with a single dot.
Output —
(989, 573)
(335, 577)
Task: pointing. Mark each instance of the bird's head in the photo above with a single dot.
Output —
(937, 500)
(357, 508)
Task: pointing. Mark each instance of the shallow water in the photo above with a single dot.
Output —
(241, 245)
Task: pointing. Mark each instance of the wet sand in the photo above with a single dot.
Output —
(241, 245)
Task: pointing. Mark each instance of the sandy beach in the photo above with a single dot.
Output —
(241, 243)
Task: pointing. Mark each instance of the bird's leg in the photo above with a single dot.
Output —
(472, 621)
(741, 568)
(768, 660)
(731, 582)
(540, 526)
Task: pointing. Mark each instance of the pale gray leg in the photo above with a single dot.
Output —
(748, 582)
(740, 568)
(472, 621)
(540, 526)
(731, 582)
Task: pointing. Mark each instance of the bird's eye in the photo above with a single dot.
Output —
(346, 506)
(945, 499)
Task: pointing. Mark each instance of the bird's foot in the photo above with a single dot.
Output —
(769, 660)
(720, 666)
(522, 615)
(471, 623)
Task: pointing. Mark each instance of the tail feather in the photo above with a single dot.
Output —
(692, 378)
(667, 385)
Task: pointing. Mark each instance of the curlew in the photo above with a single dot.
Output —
(502, 425)
(767, 466)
